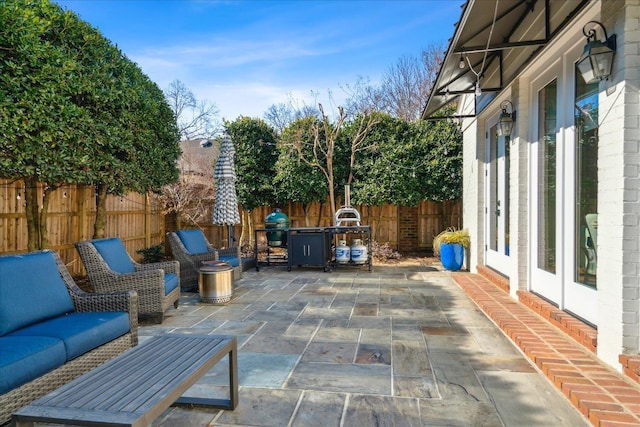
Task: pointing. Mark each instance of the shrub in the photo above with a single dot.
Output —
(383, 252)
(151, 254)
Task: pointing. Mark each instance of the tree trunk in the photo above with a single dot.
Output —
(44, 234)
(332, 201)
(305, 209)
(31, 200)
(101, 211)
(243, 231)
(251, 233)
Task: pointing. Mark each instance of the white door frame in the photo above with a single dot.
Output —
(497, 257)
(560, 287)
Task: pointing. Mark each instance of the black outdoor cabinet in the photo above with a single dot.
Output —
(309, 246)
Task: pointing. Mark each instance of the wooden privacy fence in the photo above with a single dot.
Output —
(139, 221)
(71, 216)
(407, 229)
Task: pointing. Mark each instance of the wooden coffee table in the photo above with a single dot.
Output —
(137, 386)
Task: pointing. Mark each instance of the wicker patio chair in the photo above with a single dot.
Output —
(82, 302)
(191, 248)
(110, 268)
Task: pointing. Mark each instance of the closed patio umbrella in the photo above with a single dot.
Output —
(225, 210)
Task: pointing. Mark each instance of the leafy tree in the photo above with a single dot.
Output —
(44, 130)
(138, 147)
(296, 180)
(256, 156)
(75, 110)
(412, 162)
(322, 152)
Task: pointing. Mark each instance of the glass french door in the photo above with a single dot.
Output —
(563, 189)
(497, 201)
(546, 203)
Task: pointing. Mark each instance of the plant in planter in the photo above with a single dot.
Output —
(451, 245)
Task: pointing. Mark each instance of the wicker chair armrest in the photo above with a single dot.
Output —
(126, 301)
(167, 266)
(108, 301)
(141, 279)
(211, 247)
(200, 258)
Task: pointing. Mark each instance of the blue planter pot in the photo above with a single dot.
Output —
(452, 256)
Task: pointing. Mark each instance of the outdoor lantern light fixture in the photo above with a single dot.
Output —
(505, 124)
(597, 59)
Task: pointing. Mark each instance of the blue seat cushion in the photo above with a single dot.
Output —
(23, 359)
(31, 290)
(170, 282)
(80, 332)
(193, 241)
(114, 254)
(232, 260)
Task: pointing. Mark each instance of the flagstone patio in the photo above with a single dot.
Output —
(398, 346)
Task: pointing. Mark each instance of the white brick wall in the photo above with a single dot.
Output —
(472, 217)
(519, 234)
(619, 188)
(618, 293)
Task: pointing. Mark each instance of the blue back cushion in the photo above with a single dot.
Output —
(115, 255)
(31, 290)
(194, 241)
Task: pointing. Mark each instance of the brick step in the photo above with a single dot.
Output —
(631, 365)
(581, 332)
(494, 277)
(578, 330)
(607, 398)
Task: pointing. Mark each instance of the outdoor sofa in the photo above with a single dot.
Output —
(110, 268)
(191, 249)
(51, 331)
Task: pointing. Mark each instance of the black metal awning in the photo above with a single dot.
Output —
(493, 41)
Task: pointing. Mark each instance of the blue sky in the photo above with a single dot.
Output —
(247, 55)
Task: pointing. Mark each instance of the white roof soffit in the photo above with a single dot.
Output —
(521, 30)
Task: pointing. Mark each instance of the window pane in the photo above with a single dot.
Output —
(586, 184)
(494, 195)
(507, 201)
(547, 129)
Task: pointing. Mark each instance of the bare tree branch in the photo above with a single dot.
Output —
(195, 118)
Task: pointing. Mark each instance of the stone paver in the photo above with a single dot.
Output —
(398, 346)
(604, 396)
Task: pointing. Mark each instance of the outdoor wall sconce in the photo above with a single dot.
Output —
(505, 124)
(597, 59)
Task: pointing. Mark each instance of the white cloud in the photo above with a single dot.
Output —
(253, 99)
